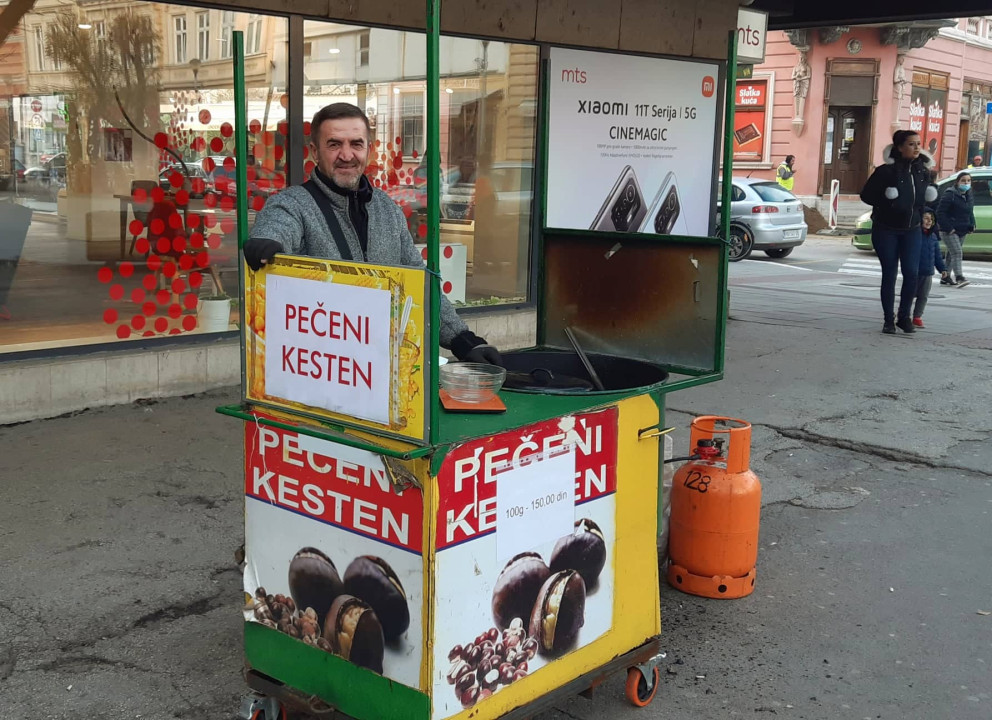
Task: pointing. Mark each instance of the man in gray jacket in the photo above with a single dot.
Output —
(338, 215)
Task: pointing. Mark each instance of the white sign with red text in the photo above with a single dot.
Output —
(498, 503)
(752, 31)
(304, 495)
(328, 346)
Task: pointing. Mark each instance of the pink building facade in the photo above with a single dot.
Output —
(833, 97)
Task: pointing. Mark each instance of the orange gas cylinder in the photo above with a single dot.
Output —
(716, 511)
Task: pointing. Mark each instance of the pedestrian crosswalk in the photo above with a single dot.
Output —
(978, 274)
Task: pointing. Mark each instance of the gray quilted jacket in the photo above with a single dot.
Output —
(292, 218)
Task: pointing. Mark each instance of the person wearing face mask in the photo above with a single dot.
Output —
(338, 215)
(956, 218)
(897, 192)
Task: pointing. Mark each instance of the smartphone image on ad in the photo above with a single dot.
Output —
(665, 216)
(624, 208)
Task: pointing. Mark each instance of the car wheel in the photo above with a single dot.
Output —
(778, 253)
(740, 243)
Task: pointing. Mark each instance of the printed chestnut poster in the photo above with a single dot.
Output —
(631, 143)
(333, 551)
(525, 537)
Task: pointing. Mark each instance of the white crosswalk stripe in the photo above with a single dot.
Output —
(868, 266)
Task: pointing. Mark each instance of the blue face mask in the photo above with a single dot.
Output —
(964, 188)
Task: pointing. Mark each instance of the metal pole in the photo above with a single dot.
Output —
(730, 98)
(241, 182)
(434, 205)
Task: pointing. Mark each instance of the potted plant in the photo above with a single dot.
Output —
(214, 313)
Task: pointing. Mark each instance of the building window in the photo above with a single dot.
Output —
(203, 35)
(100, 33)
(227, 34)
(253, 36)
(751, 120)
(39, 48)
(363, 49)
(179, 26)
(972, 27)
(412, 112)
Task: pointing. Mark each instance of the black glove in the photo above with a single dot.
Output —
(485, 354)
(470, 347)
(259, 251)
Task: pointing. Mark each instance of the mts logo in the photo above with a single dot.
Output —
(575, 76)
(709, 86)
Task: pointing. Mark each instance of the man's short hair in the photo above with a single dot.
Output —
(337, 111)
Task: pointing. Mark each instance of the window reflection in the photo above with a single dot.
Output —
(116, 166)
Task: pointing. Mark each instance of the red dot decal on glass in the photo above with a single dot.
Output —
(306, 127)
(378, 143)
(399, 141)
(257, 203)
(190, 300)
(226, 129)
(157, 226)
(169, 269)
(161, 325)
(209, 221)
(161, 140)
(229, 164)
(136, 227)
(446, 287)
(182, 197)
(268, 137)
(195, 279)
(162, 297)
(407, 210)
(208, 165)
(210, 200)
(284, 100)
(204, 117)
(148, 333)
(308, 167)
(139, 195)
(110, 316)
(175, 331)
(397, 162)
(176, 179)
(175, 220)
(251, 174)
(123, 332)
(163, 245)
(278, 152)
(202, 259)
(175, 310)
(199, 144)
(154, 263)
(423, 253)
(253, 127)
(282, 126)
(179, 244)
(213, 241)
(189, 323)
(137, 296)
(227, 203)
(227, 225)
(196, 240)
(415, 154)
(258, 150)
(148, 282)
(158, 194)
(279, 181)
(422, 230)
(185, 262)
(193, 220)
(116, 291)
(216, 145)
(138, 322)
(148, 308)
(105, 275)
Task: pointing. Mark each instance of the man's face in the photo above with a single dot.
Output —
(341, 148)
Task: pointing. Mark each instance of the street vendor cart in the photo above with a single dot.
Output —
(411, 557)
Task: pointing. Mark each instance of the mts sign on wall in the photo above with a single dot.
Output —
(752, 30)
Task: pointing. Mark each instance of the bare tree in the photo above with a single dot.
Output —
(11, 15)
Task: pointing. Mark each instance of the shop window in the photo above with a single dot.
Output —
(127, 238)
(488, 127)
(179, 38)
(928, 108)
(203, 35)
(752, 121)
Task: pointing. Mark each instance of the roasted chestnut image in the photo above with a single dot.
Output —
(516, 588)
(354, 632)
(371, 579)
(559, 612)
(314, 581)
(584, 550)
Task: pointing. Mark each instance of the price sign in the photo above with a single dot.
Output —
(535, 502)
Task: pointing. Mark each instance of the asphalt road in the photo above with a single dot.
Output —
(119, 597)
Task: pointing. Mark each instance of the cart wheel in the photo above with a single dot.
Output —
(637, 687)
(262, 715)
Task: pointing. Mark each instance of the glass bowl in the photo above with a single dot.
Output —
(471, 382)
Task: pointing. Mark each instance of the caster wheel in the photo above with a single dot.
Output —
(262, 715)
(637, 687)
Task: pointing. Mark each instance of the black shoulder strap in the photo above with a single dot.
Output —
(324, 203)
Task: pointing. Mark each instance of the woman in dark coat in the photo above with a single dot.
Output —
(897, 192)
(956, 218)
